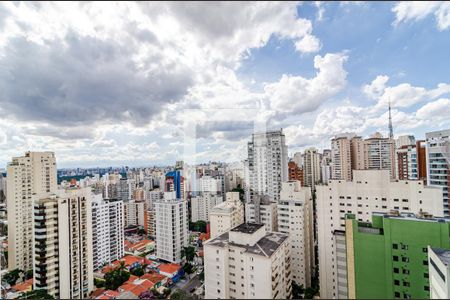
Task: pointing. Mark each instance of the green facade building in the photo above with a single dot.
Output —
(388, 258)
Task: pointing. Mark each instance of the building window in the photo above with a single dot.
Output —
(397, 295)
(425, 262)
(426, 288)
(405, 271)
(405, 259)
(406, 283)
(404, 247)
(424, 250)
(396, 270)
(396, 282)
(395, 258)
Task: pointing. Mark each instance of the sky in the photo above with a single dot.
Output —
(142, 84)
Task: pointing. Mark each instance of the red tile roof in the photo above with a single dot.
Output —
(132, 278)
(204, 236)
(153, 277)
(169, 268)
(103, 297)
(139, 245)
(97, 292)
(111, 293)
(24, 286)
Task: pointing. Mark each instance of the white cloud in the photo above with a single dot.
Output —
(332, 121)
(436, 110)
(406, 11)
(376, 88)
(308, 44)
(296, 94)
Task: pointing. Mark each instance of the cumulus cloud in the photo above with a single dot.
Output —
(436, 110)
(296, 94)
(406, 11)
(332, 121)
(402, 95)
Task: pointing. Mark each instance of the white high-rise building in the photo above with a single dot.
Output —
(262, 211)
(248, 263)
(438, 163)
(34, 173)
(171, 216)
(63, 265)
(311, 167)
(439, 272)
(226, 215)
(208, 184)
(107, 231)
(341, 167)
(202, 205)
(135, 213)
(267, 165)
(295, 217)
(370, 191)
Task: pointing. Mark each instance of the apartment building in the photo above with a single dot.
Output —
(341, 167)
(295, 218)
(267, 165)
(439, 272)
(202, 205)
(311, 167)
(107, 230)
(135, 213)
(33, 173)
(262, 211)
(438, 163)
(226, 215)
(248, 263)
(387, 258)
(171, 217)
(295, 172)
(370, 191)
(62, 258)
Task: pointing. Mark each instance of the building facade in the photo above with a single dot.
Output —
(295, 217)
(311, 167)
(171, 216)
(438, 163)
(248, 263)
(107, 231)
(202, 205)
(33, 173)
(439, 272)
(62, 259)
(267, 165)
(295, 173)
(370, 191)
(226, 215)
(388, 257)
(262, 211)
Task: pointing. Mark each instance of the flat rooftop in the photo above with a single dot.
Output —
(443, 254)
(266, 246)
(413, 217)
(248, 228)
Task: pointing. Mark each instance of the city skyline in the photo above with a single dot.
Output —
(113, 85)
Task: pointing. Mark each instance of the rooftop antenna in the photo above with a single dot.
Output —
(391, 130)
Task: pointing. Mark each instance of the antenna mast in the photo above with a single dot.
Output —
(391, 130)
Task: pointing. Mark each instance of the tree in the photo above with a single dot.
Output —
(188, 252)
(36, 294)
(12, 277)
(99, 283)
(199, 226)
(141, 231)
(297, 291)
(188, 268)
(138, 271)
(181, 294)
(117, 277)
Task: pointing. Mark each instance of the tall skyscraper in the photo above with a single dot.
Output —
(248, 263)
(63, 258)
(171, 216)
(33, 173)
(379, 154)
(387, 258)
(438, 162)
(295, 217)
(341, 167)
(174, 182)
(226, 215)
(107, 230)
(370, 191)
(267, 165)
(311, 167)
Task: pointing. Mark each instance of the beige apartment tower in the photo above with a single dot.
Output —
(63, 258)
(226, 215)
(33, 173)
